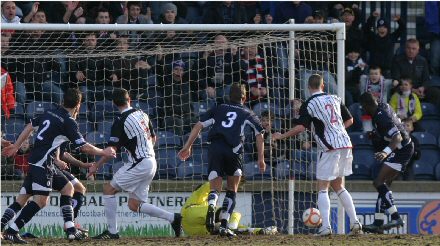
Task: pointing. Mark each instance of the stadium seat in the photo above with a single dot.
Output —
(193, 170)
(423, 171)
(284, 170)
(144, 106)
(202, 138)
(200, 154)
(38, 107)
(264, 106)
(201, 107)
(165, 138)
(84, 125)
(359, 139)
(84, 109)
(116, 166)
(97, 138)
(251, 171)
(437, 171)
(356, 111)
(360, 172)
(305, 156)
(105, 125)
(429, 109)
(19, 110)
(431, 125)
(100, 109)
(168, 162)
(12, 128)
(364, 155)
(429, 155)
(425, 138)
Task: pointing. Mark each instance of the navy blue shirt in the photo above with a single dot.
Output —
(228, 122)
(387, 124)
(55, 127)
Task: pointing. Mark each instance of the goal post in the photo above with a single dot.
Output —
(272, 60)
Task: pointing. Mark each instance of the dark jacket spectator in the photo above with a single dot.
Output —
(354, 35)
(226, 12)
(169, 15)
(134, 16)
(432, 22)
(292, 10)
(381, 45)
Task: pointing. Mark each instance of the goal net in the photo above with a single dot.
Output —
(174, 74)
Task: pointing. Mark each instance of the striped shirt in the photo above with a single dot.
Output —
(133, 130)
(325, 115)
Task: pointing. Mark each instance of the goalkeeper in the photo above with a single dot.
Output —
(194, 217)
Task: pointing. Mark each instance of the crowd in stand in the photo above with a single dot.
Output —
(402, 77)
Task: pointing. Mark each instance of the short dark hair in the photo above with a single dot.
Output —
(72, 98)
(367, 99)
(120, 97)
(129, 4)
(407, 79)
(237, 92)
(267, 114)
(374, 67)
(315, 81)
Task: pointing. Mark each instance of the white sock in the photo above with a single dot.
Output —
(154, 211)
(110, 207)
(324, 207)
(347, 202)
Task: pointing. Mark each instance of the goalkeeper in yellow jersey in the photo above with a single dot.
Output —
(194, 217)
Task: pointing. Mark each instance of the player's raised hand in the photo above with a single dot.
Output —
(92, 170)
(262, 166)
(87, 165)
(109, 152)
(184, 153)
(10, 150)
(380, 156)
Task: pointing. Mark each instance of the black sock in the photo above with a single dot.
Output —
(380, 212)
(77, 200)
(10, 213)
(213, 197)
(67, 209)
(228, 207)
(387, 198)
(25, 216)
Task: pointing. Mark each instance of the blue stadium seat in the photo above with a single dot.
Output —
(429, 109)
(431, 125)
(356, 111)
(359, 138)
(201, 107)
(84, 125)
(100, 109)
(429, 155)
(144, 106)
(12, 128)
(437, 171)
(105, 125)
(202, 138)
(84, 109)
(284, 170)
(360, 172)
(305, 156)
(251, 171)
(165, 138)
(200, 154)
(364, 155)
(97, 138)
(192, 170)
(38, 107)
(168, 162)
(265, 106)
(423, 171)
(19, 110)
(116, 166)
(425, 138)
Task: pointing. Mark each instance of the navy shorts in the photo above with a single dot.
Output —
(41, 180)
(222, 161)
(399, 159)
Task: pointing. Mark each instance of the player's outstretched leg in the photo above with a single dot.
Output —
(151, 210)
(77, 200)
(210, 213)
(324, 208)
(28, 211)
(379, 217)
(110, 206)
(227, 209)
(9, 214)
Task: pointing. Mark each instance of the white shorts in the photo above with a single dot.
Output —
(334, 164)
(136, 181)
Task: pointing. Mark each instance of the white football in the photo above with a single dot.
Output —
(312, 217)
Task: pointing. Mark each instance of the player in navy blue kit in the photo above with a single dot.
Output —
(227, 122)
(55, 127)
(397, 152)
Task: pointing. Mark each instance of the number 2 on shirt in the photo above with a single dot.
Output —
(333, 118)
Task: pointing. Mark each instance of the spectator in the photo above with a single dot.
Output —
(375, 83)
(406, 103)
(21, 163)
(273, 150)
(32, 13)
(335, 14)
(62, 12)
(116, 8)
(9, 65)
(178, 93)
(381, 45)
(133, 16)
(226, 12)
(254, 74)
(169, 15)
(106, 39)
(432, 21)
(354, 35)
(131, 71)
(408, 173)
(412, 65)
(94, 74)
(296, 10)
(7, 93)
(268, 18)
(354, 68)
(9, 12)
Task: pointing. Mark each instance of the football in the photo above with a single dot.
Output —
(312, 217)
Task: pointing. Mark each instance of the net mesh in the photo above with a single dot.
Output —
(176, 76)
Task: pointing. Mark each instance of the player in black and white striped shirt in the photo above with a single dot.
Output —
(134, 131)
(327, 118)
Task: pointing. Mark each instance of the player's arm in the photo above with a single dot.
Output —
(303, 122)
(387, 128)
(185, 152)
(13, 148)
(92, 150)
(291, 133)
(102, 160)
(67, 157)
(260, 150)
(347, 118)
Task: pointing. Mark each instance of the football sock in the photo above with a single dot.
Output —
(10, 213)
(347, 203)
(77, 200)
(25, 216)
(387, 198)
(227, 208)
(212, 198)
(67, 211)
(379, 215)
(155, 212)
(110, 207)
(324, 207)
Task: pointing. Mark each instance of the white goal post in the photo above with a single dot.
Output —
(283, 38)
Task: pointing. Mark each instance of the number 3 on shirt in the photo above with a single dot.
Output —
(333, 118)
(231, 117)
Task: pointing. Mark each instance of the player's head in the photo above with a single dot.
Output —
(369, 103)
(72, 100)
(121, 97)
(237, 94)
(316, 83)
